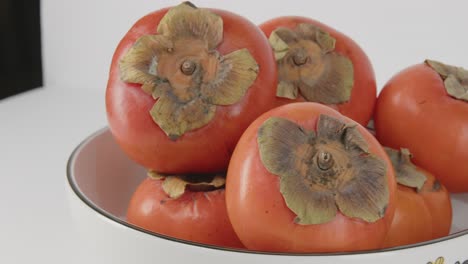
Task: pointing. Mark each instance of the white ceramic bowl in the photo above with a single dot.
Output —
(102, 179)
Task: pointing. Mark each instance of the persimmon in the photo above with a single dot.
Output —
(184, 83)
(424, 108)
(317, 63)
(304, 178)
(184, 208)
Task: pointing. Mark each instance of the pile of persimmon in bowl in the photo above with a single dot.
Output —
(257, 137)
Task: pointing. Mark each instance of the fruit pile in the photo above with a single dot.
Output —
(257, 137)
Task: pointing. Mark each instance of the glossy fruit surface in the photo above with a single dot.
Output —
(258, 211)
(415, 111)
(420, 216)
(195, 216)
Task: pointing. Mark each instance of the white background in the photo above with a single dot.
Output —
(80, 36)
(39, 129)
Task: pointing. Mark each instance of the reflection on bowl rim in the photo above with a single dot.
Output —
(73, 185)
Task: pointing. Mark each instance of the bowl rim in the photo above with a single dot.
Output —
(76, 190)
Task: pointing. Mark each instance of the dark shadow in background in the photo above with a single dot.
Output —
(20, 46)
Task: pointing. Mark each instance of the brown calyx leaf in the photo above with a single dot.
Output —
(283, 144)
(455, 79)
(312, 205)
(182, 70)
(364, 192)
(186, 21)
(314, 33)
(336, 130)
(353, 139)
(175, 118)
(278, 41)
(333, 85)
(323, 172)
(155, 175)
(236, 73)
(406, 172)
(176, 185)
(287, 90)
(139, 64)
(306, 62)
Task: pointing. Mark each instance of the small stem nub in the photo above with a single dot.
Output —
(300, 58)
(188, 67)
(324, 160)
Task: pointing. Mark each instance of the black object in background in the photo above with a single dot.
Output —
(20, 46)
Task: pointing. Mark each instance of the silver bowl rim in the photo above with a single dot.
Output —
(73, 185)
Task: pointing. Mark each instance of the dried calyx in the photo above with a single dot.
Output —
(406, 172)
(455, 79)
(176, 185)
(324, 171)
(181, 66)
(307, 63)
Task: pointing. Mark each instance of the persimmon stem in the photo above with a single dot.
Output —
(188, 67)
(300, 58)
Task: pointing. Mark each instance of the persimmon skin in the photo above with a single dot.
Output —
(439, 204)
(360, 107)
(420, 216)
(414, 111)
(259, 214)
(204, 150)
(412, 222)
(195, 216)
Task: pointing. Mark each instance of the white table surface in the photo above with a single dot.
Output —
(38, 131)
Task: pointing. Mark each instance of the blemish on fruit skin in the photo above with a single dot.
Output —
(162, 202)
(422, 102)
(236, 110)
